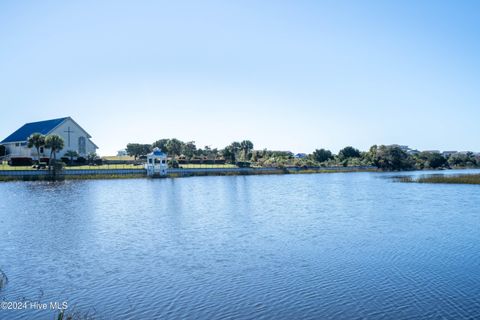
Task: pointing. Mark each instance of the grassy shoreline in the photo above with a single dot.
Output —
(444, 179)
(100, 175)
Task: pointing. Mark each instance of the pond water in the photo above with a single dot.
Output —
(314, 246)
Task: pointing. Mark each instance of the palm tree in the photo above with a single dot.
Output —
(71, 154)
(91, 157)
(246, 146)
(54, 143)
(36, 140)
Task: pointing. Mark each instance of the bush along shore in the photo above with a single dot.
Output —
(451, 179)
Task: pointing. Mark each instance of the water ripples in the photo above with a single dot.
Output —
(329, 246)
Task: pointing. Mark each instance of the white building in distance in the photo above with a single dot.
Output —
(75, 138)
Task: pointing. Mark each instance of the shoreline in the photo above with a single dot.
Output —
(106, 174)
(31, 175)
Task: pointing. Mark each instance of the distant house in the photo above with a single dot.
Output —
(402, 147)
(406, 149)
(412, 151)
(301, 155)
(74, 137)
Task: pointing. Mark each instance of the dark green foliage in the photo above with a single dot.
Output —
(36, 140)
(391, 158)
(348, 152)
(230, 152)
(431, 160)
(20, 161)
(173, 163)
(70, 155)
(174, 147)
(189, 149)
(137, 149)
(55, 143)
(464, 159)
(243, 164)
(161, 144)
(246, 146)
(322, 155)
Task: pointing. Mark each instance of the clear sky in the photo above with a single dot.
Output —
(288, 75)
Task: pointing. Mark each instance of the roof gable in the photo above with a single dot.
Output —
(43, 127)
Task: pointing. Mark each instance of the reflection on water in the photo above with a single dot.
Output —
(339, 246)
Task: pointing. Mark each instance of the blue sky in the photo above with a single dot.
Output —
(288, 75)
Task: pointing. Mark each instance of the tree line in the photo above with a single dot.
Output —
(391, 157)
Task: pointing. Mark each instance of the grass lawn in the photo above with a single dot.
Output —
(203, 166)
(105, 166)
(121, 158)
(5, 166)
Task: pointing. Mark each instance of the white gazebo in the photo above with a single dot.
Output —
(156, 163)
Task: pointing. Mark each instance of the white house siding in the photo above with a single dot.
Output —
(19, 151)
(75, 134)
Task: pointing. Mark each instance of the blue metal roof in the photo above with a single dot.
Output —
(43, 127)
(159, 153)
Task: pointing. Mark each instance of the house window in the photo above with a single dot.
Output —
(81, 145)
(17, 144)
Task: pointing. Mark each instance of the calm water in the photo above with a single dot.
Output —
(324, 246)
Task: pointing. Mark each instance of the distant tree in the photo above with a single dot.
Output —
(255, 155)
(136, 149)
(432, 160)
(246, 146)
(207, 152)
(36, 140)
(71, 154)
(174, 147)
(392, 158)
(322, 155)
(189, 149)
(348, 152)
(370, 156)
(214, 153)
(234, 148)
(464, 159)
(55, 143)
(91, 157)
(161, 144)
(229, 154)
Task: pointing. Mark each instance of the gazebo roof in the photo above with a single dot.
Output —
(157, 153)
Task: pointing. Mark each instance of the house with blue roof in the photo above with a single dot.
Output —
(74, 137)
